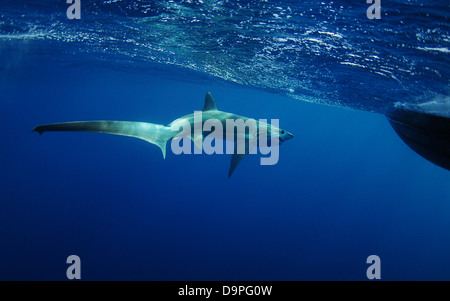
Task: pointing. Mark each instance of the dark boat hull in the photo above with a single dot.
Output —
(427, 134)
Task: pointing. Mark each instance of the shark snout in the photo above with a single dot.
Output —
(285, 135)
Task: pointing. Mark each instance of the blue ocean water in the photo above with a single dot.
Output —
(345, 186)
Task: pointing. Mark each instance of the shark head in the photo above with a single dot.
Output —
(284, 135)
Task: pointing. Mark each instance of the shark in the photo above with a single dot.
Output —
(188, 126)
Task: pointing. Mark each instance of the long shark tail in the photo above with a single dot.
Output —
(154, 133)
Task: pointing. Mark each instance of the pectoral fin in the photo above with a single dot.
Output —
(236, 158)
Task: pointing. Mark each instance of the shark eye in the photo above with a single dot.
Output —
(282, 132)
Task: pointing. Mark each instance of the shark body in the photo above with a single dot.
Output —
(159, 134)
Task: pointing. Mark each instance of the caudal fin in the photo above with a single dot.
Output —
(154, 133)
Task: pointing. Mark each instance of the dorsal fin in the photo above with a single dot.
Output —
(209, 103)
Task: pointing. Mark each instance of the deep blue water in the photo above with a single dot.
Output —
(345, 187)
